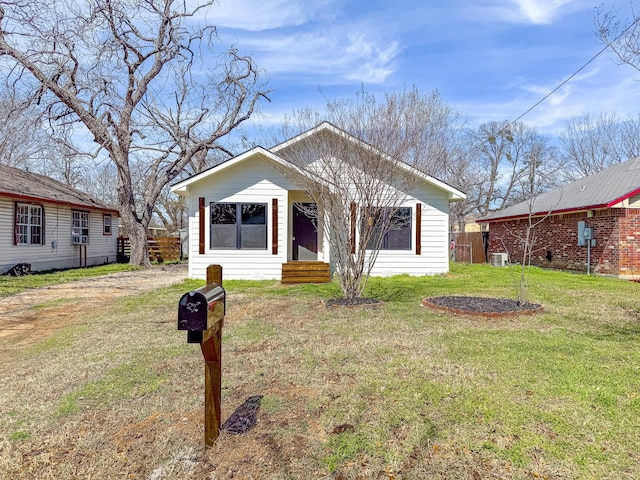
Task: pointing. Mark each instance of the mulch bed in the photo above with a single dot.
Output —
(481, 306)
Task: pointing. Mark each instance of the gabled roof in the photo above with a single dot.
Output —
(272, 154)
(29, 186)
(454, 193)
(603, 189)
(181, 187)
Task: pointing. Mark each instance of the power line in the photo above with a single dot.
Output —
(579, 70)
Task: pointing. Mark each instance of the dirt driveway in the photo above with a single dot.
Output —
(49, 308)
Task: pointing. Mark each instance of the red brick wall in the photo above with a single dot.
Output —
(629, 244)
(555, 241)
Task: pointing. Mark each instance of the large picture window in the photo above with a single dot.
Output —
(398, 224)
(29, 224)
(79, 227)
(239, 225)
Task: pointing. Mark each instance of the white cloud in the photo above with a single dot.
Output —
(542, 11)
(258, 15)
(536, 12)
(333, 55)
(306, 39)
(604, 88)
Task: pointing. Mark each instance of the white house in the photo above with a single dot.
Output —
(245, 215)
(50, 225)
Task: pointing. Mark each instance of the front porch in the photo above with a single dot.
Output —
(306, 272)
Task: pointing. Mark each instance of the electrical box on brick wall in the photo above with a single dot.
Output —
(588, 233)
(585, 235)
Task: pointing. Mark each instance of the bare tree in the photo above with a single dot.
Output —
(101, 181)
(592, 144)
(357, 175)
(629, 138)
(131, 75)
(522, 234)
(172, 211)
(501, 154)
(535, 182)
(622, 36)
(23, 140)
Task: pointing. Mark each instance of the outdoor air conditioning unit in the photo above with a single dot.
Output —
(499, 259)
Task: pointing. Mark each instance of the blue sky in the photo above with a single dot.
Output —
(489, 59)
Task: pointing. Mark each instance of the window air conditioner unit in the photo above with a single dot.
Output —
(499, 259)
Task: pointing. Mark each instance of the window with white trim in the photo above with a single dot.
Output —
(397, 222)
(29, 224)
(79, 227)
(239, 225)
(106, 224)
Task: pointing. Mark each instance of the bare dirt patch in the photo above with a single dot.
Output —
(48, 309)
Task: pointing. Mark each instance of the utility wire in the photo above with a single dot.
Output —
(579, 70)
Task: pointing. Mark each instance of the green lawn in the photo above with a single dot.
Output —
(424, 394)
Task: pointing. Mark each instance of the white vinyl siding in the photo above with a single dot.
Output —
(57, 251)
(254, 181)
(251, 181)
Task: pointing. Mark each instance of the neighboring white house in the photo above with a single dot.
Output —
(244, 214)
(50, 226)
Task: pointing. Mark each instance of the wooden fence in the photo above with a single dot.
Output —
(161, 249)
(469, 247)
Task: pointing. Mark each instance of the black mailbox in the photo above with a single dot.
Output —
(200, 309)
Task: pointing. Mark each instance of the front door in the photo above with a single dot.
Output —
(305, 232)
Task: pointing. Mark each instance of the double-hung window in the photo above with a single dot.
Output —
(79, 227)
(106, 224)
(239, 225)
(29, 224)
(391, 228)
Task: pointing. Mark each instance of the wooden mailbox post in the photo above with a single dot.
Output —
(201, 313)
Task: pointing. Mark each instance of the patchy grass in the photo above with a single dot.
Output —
(393, 392)
(12, 285)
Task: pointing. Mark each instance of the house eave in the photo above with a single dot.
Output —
(624, 197)
(544, 213)
(32, 198)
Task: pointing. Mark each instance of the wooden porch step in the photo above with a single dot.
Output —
(305, 272)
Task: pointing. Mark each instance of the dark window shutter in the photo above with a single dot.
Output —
(418, 229)
(353, 227)
(43, 240)
(15, 223)
(201, 226)
(274, 226)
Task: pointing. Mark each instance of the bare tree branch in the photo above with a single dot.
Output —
(122, 69)
(357, 173)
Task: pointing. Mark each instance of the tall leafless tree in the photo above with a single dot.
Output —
(359, 173)
(502, 153)
(23, 139)
(138, 79)
(590, 144)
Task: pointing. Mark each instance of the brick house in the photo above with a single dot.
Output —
(605, 204)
